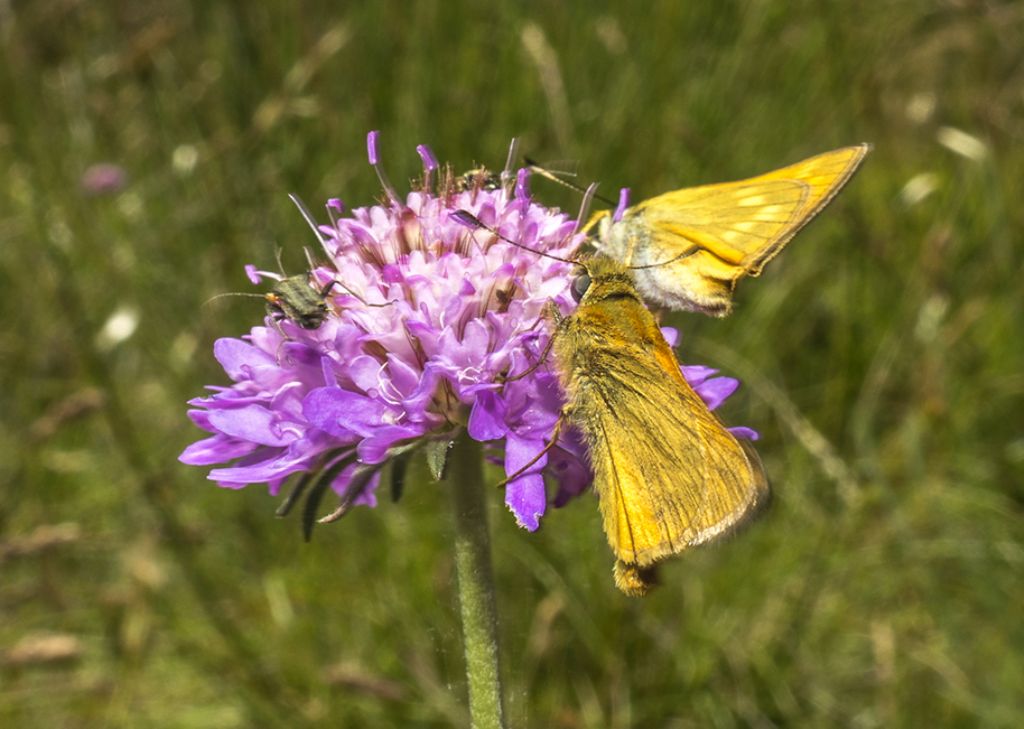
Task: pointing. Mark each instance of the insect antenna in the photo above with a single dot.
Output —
(232, 293)
(620, 210)
(353, 294)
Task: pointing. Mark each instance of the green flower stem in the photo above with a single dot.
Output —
(476, 584)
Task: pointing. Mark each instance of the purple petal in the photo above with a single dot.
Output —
(487, 418)
(476, 338)
(200, 417)
(274, 486)
(365, 373)
(671, 335)
(696, 374)
(716, 390)
(252, 423)
(278, 466)
(487, 214)
(375, 448)
(238, 357)
(416, 402)
(525, 495)
(404, 377)
(218, 449)
(741, 431)
(526, 499)
(368, 496)
(572, 474)
(392, 273)
(300, 353)
(343, 413)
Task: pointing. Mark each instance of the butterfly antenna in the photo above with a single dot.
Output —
(620, 210)
(665, 263)
(468, 220)
(280, 263)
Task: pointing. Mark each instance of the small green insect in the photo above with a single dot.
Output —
(301, 298)
(295, 298)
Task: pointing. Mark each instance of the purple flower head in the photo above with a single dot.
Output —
(429, 310)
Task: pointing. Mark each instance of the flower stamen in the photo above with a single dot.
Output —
(374, 157)
(429, 165)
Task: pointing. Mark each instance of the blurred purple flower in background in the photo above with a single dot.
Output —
(103, 178)
(425, 321)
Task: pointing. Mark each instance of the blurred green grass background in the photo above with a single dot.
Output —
(882, 354)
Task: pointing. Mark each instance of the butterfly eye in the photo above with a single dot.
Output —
(580, 284)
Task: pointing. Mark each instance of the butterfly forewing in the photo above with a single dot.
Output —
(735, 222)
(825, 175)
(696, 243)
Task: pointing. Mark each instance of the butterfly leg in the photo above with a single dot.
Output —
(550, 444)
(550, 312)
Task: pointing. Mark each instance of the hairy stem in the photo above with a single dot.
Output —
(476, 584)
